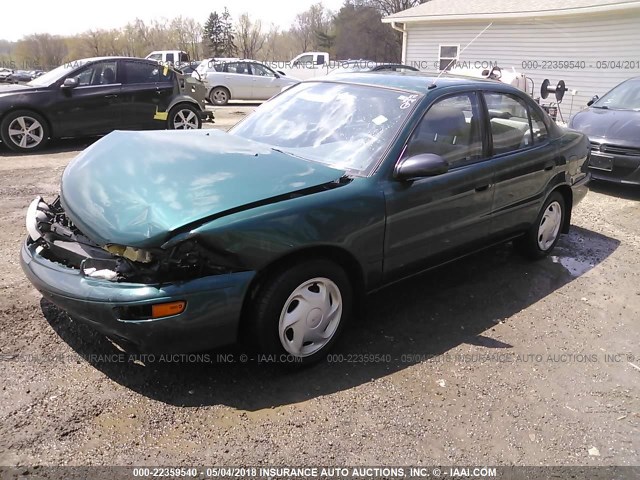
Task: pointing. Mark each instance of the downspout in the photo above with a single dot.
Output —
(404, 39)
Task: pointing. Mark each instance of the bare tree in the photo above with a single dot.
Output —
(249, 36)
(41, 50)
(389, 7)
(316, 20)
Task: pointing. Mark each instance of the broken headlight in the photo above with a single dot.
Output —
(130, 253)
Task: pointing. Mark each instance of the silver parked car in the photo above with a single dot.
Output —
(241, 79)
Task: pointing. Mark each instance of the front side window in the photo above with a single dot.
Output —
(509, 121)
(448, 57)
(344, 126)
(261, 70)
(102, 73)
(304, 60)
(451, 128)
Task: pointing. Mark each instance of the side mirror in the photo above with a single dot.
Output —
(593, 100)
(70, 83)
(421, 165)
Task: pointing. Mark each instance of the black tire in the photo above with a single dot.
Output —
(30, 119)
(275, 294)
(183, 115)
(219, 96)
(533, 244)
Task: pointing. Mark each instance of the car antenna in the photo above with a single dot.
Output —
(433, 85)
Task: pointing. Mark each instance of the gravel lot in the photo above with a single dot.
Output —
(490, 360)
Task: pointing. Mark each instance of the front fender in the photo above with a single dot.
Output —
(350, 217)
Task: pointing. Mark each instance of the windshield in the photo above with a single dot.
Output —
(625, 96)
(54, 75)
(348, 127)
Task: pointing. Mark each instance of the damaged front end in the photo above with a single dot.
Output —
(58, 240)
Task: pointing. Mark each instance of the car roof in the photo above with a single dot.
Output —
(98, 59)
(419, 82)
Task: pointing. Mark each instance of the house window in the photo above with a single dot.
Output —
(448, 56)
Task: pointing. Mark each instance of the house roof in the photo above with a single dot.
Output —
(441, 10)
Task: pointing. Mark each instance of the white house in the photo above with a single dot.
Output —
(590, 44)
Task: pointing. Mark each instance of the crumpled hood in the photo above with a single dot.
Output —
(620, 126)
(135, 188)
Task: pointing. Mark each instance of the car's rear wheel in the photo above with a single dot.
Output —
(301, 311)
(219, 96)
(24, 131)
(544, 234)
(184, 117)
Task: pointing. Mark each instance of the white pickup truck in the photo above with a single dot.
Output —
(304, 66)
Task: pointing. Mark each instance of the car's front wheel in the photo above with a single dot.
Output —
(301, 311)
(24, 131)
(544, 234)
(219, 96)
(184, 117)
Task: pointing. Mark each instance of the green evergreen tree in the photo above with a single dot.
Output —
(213, 35)
(228, 34)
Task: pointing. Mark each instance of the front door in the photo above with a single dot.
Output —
(432, 218)
(93, 107)
(266, 83)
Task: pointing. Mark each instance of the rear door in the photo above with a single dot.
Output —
(437, 217)
(238, 79)
(147, 91)
(524, 159)
(93, 107)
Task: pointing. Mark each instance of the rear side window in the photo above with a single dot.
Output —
(139, 72)
(451, 129)
(509, 122)
(238, 67)
(540, 133)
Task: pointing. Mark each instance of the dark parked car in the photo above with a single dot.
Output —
(613, 126)
(95, 96)
(393, 67)
(185, 240)
(20, 76)
(352, 66)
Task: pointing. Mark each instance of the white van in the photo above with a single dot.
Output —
(169, 56)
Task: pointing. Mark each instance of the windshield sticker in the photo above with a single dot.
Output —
(407, 100)
(380, 119)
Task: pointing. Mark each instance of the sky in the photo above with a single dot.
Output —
(64, 18)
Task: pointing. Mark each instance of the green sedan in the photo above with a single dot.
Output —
(271, 233)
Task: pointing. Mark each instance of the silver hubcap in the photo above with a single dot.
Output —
(219, 96)
(310, 317)
(26, 132)
(549, 226)
(185, 120)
